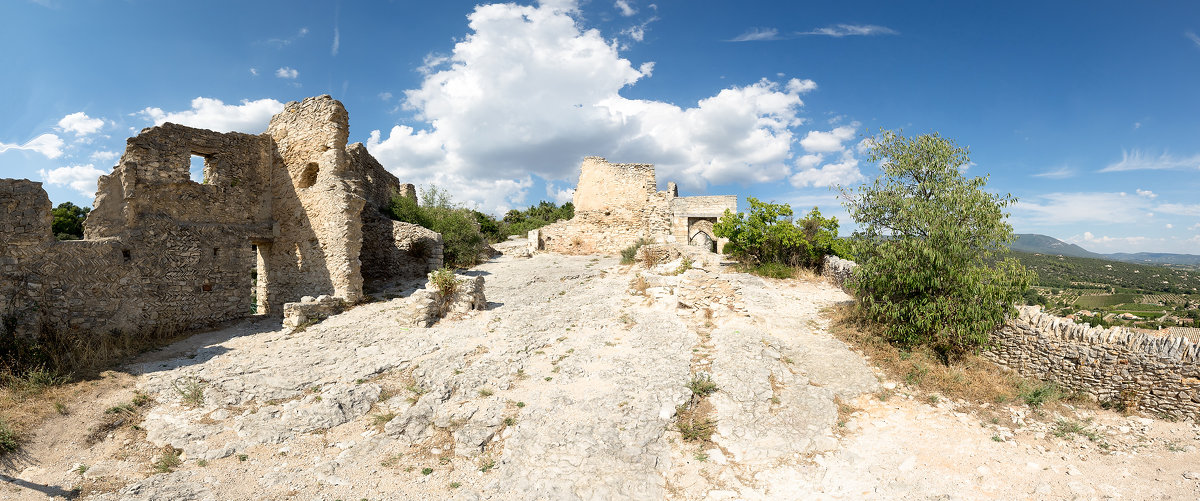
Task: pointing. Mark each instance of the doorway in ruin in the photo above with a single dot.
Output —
(260, 303)
(700, 233)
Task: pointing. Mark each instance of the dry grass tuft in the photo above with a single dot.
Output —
(972, 379)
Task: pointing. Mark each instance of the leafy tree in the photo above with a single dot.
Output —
(931, 247)
(68, 221)
(462, 241)
(518, 222)
(767, 235)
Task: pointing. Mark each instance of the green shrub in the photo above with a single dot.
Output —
(629, 254)
(767, 234)
(8, 438)
(68, 221)
(520, 222)
(462, 240)
(772, 270)
(929, 246)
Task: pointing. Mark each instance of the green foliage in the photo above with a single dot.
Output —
(1040, 393)
(931, 248)
(68, 221)
(517, 222)
(8, 438)
(488, 227)
(767, 234)
(629, 254)
(406, 209)
(1032, 297)
(462, 239)
(1068, 272)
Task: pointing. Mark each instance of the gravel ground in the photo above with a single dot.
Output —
(567, 387)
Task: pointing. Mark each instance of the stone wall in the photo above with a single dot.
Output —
(1140, 371)
(838, 270)
(1156, 374)
(294, 206)
(617, 204)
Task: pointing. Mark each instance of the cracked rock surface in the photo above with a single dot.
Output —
(568, 386)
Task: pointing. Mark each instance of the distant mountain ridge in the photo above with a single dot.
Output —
(1042, 244)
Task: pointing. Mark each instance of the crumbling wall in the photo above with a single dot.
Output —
(318, 209)
(616, 204)
(162, 252)
(1134, 369)
(391, 250)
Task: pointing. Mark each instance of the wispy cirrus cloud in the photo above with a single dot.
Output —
(1059, 173)
(1138, 160)
(1192, 36)
(757, 35)
(836, 31)
(284, 42)
(849, 30)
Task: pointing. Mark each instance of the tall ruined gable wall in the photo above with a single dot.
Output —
(615, 205)
(317, 205)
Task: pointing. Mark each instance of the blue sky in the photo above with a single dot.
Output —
(1088, 112)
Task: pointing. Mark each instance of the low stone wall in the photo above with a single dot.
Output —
(838, 270)
(311, 309)
(424, 307)
(1156, 374)
(1140, 371)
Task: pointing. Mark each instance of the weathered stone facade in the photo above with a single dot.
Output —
(295, 207)
(617, 204)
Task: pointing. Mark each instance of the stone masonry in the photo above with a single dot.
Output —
(289, 213)
(1141, 371)
(1158, 374)
(617, 204)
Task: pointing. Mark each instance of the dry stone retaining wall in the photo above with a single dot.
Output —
(1138, 370)
(1158, 374)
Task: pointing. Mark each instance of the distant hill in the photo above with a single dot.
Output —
(1042, 244)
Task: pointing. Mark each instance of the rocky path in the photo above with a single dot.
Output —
(569, 387)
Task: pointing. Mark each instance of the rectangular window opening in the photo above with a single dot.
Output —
(198, 170)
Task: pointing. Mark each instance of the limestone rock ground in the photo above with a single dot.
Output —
(567, 387)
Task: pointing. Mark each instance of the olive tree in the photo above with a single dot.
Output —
(932, 247)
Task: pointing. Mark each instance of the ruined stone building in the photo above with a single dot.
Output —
(617, 204)
(288, 213)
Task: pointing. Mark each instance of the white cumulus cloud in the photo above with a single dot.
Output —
(624, 8)
(49, 145)
(208, 113)
(1146, 193)
(531, 91)
(286, 72)
(80, 124)
(844, 171)
(827, 142)
(81, 178)
(104, 156)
